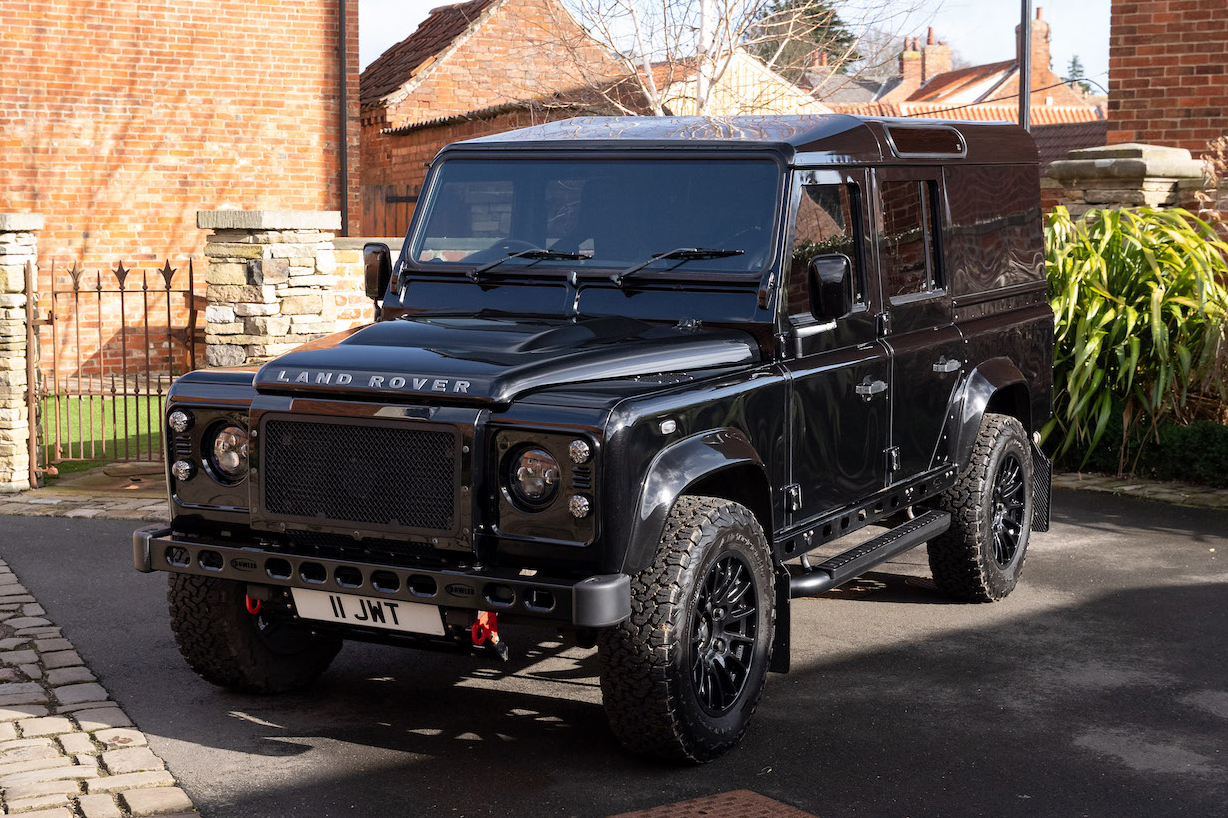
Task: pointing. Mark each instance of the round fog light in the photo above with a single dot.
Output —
(578, 506)
(579, 451)
(183, 470)
(180, 421)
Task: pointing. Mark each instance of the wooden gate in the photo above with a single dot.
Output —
(386, 209)
(112, 342)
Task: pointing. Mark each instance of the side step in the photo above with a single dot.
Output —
(859, 559)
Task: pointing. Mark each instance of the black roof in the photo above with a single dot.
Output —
(844, 139)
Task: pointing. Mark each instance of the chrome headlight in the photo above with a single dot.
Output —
(533, 477)
(227, 452)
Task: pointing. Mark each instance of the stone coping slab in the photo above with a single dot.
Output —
(21, 222)
(325, 220)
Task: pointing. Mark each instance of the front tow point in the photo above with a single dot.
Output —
(486, 627)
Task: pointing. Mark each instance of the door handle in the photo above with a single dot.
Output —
(944, 366)
(871, 388)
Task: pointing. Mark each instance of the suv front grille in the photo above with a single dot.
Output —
(341, 474)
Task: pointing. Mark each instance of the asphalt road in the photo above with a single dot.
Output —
(1099, 688)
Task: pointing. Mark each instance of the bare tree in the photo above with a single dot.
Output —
(715, 56)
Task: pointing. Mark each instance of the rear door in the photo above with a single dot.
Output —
(927, 357)
(837, 434)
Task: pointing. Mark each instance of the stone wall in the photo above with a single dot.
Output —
(270, 277)
(18, 246)
(1129, 175)
(277, 280)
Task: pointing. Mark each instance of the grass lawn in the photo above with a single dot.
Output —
(98, 430)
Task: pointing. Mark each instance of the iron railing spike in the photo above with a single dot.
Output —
(121, 273)
(168, 273)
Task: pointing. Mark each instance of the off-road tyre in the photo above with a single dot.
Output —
(237, 650)
(980, 557)
(658, 667)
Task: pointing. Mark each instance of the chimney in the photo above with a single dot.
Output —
(910, 66)
(1041, 61)
(935, 58)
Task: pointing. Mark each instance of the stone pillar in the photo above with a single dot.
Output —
(1129, 175)
(270, 279)
(18, 246)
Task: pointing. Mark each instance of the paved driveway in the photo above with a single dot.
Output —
(1099, 688)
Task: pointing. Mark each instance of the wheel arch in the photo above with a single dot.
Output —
(720, 463)
(996, 385)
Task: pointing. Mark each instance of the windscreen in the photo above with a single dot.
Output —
(612, 213)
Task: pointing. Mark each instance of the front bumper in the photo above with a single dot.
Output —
(593, 602)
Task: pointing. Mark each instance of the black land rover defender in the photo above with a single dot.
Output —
(631, 379)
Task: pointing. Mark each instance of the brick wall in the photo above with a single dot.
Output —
(527, 49)
(1167, 73)
(122, 119)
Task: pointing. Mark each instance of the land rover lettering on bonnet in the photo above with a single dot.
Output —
(633, 380)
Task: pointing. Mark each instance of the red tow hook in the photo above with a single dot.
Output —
(487, 627)
(254, 606)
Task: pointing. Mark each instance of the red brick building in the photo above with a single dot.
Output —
(472, 68)
(1168, 77)
(121, 119)
(926, 86)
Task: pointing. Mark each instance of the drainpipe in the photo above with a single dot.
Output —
(344, 109)
(1025, 66)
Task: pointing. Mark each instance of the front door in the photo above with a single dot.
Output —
(838, 413)
(927, 359)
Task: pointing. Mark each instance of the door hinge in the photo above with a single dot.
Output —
(893, 458)
(882, 323)
(793, 497)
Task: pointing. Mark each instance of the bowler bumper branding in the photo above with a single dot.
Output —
(410, 383)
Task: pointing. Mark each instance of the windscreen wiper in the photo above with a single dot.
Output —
(682, 254)
(535, 253)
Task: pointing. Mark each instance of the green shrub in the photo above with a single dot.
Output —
(1140, 301)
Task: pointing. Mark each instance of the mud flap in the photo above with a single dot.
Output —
(1042, 488)
(780, 639)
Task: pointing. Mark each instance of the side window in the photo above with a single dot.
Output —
(827, 222)
(910, 258)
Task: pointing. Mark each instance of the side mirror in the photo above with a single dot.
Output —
(831, 286)
(377, 262)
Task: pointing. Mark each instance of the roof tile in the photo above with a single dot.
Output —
(408, 58)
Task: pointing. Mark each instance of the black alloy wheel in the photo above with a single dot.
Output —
(723, 631)
(981, 556)
(681, 677)
(1010, 501)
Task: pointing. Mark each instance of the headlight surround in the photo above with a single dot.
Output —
(227, 452)
(532, 477)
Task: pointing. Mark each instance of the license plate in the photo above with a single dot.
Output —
(389, 614)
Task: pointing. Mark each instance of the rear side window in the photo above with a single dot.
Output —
(910, 253)
(827, 222)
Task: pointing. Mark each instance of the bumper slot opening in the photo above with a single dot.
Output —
(210, 560)
(313, 573)
(385, 582)
(499, 595)
(422, 585)
(278, 568)
(539, 600)
(178, 557)
(348, 577)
